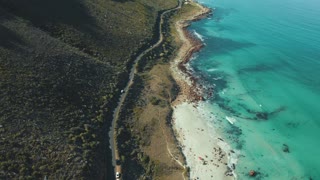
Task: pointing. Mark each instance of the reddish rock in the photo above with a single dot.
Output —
(252, 173)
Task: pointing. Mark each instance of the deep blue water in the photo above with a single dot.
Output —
(262, 63)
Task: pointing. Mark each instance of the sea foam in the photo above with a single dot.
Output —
(231, 119)
(198, 35)
(212, 69)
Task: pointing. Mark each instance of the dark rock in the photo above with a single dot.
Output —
(262, 115)
(285, 148)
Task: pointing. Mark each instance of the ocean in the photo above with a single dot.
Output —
(260, 68)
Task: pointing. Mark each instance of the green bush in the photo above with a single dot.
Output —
(154, 100)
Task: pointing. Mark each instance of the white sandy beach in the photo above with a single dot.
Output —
(205, 153)
(200, 144)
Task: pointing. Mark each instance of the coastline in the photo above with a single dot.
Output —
(192, 131)
(189, 46)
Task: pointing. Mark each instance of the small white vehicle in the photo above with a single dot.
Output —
(117, 175)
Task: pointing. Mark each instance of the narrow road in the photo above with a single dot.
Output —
(112, 132)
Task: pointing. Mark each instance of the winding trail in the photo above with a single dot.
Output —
(133, 71)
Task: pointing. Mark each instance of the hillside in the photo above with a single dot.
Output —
(62, 64)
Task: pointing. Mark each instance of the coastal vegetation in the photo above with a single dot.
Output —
(146, 141)
(62, 65)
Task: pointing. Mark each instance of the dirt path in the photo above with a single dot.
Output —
(173, 157)
(112, 132)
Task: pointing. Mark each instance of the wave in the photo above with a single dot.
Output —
(231, 119)
(212, 69)
(199, 36)
(232, 156)
(217, 78)
(211, 119)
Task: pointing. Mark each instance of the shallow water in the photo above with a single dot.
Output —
(262, 63)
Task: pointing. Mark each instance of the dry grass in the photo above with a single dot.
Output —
(146, 121)
(182, 14)
(152, 121)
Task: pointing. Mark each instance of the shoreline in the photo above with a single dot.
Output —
(204, 162)
(190, 45)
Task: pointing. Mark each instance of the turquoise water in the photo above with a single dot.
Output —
(262, 63)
